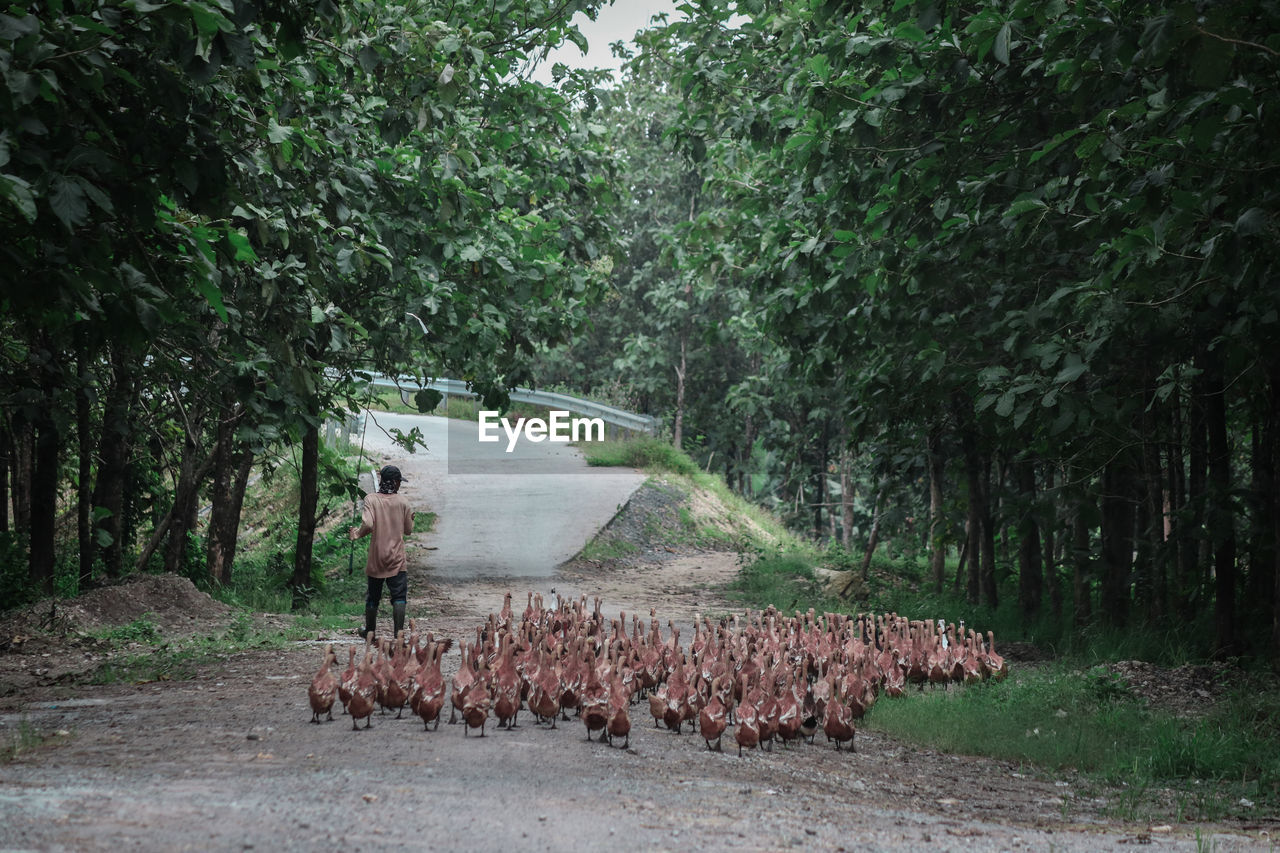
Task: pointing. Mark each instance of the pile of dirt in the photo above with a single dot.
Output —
(664, 518)
(650, 522)
(169, 602)
(1190, 690)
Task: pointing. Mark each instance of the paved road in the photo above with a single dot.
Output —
(500, 514)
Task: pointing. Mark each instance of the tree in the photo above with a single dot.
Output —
(1048, 220)
(221, 205)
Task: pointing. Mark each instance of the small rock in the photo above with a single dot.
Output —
(253, 736)
(369, 798)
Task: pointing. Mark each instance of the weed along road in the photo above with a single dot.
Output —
(515, 513)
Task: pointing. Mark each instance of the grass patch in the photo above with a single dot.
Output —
(181, 659)
(140, 630)
(22, 739)
(1060, 718)
(652, 454)
(606, 548)
(784, 580)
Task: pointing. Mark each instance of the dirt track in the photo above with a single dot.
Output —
(228, 760)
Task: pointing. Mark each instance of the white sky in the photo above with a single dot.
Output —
(617, 22)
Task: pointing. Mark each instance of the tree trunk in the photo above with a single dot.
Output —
(84, 486)
(6, 466)
(1151, 590)
(231, 467)
(308, 499)
(677, 432)
(995, 503)
(184, 505)
(23, 435)
(846, 500)
(1219, 513)
(1052, 579)
(1081, 564)
(977, 511)
(1196, 582)
(937, 551)
(987, 577)
(1117, 542)
(1273, 443)
(1258, 604)
(1030, 567)
(980, 532)
(113, 464)
(874, 539)
(1182, 545)
(42, 554)
(820, 485)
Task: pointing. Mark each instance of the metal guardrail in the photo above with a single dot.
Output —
(562, 402)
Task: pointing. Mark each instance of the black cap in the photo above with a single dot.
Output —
(389, 472)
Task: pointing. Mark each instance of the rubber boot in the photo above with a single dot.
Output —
(370, 621)
(397, 615)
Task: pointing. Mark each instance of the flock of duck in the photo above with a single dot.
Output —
(769, 676)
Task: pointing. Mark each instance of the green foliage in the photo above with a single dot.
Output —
(14, 587)
(140, 630)
(783, 580)
(225, 215)
(645, 452)
(1031, 237)
(1059, 718)
(602, 548)
(183, 659)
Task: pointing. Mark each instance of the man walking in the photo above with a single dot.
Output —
(388, 517)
